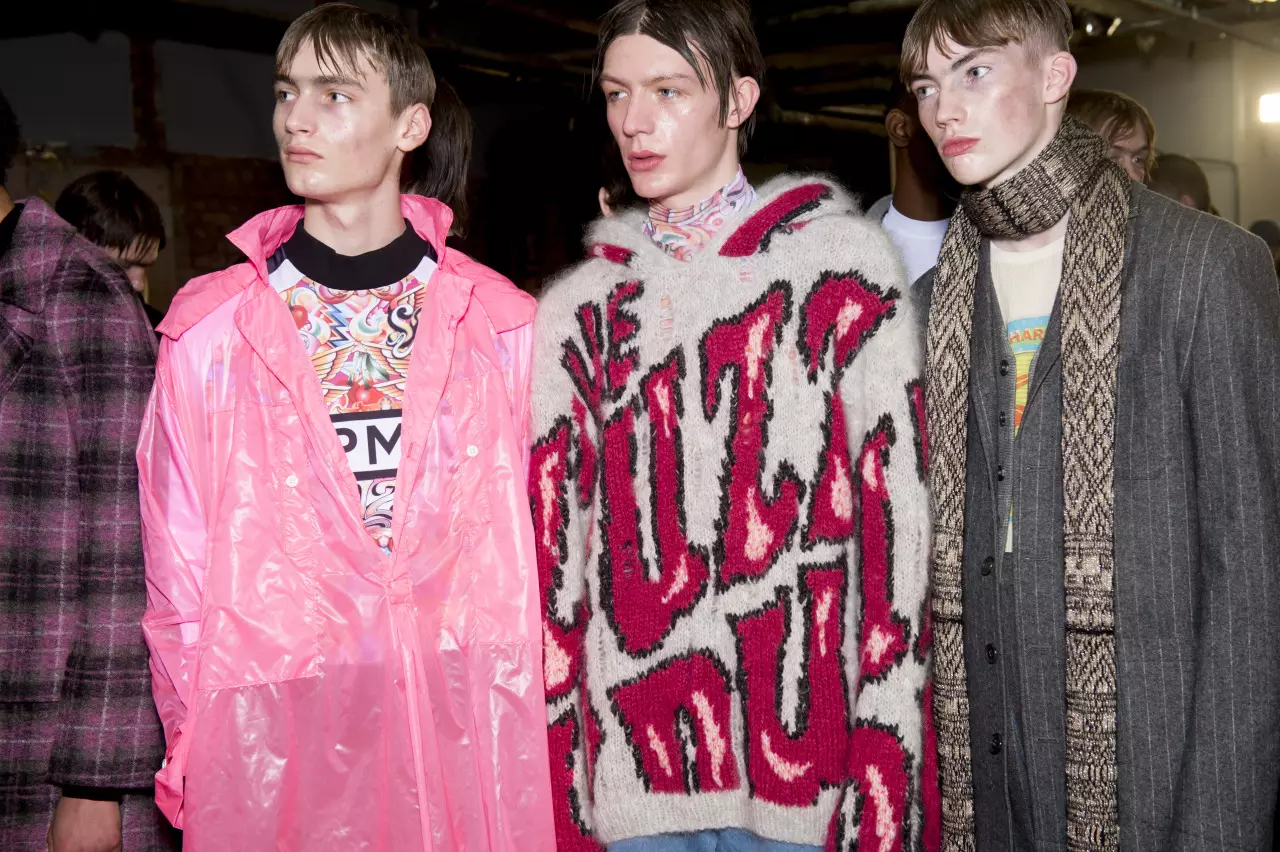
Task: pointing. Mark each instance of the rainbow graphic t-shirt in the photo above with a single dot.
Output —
(1026, 285)
(1025, 336)
(359, 339)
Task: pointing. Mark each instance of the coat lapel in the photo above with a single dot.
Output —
(15, 348)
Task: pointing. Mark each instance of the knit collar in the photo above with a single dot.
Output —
(682, 232)
(1037, 197)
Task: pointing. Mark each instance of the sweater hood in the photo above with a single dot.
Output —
(786, 203)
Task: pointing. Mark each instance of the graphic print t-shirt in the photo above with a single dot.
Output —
(1026, 286)
(357, 318)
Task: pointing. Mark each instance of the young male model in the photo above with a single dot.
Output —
(727, 484)
(917, 213)
(79, 738)
(114, 213)
(343, 605)
(1123, 123)
(1103, 369)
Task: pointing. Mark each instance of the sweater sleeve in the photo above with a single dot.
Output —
(562, 488)
(885, 800)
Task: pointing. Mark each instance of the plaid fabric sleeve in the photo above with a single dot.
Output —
(108, 733)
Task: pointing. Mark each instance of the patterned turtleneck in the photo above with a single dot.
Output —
(682, 232)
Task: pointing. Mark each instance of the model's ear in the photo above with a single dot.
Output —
(900, 127)
(743, 100)
(1059, 74)
(415, 127)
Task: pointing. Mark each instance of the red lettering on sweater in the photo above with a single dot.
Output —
(884, 639)
(684, 704)
(603, 370)
(561, 642)
(753, 528)
(931, 794)
(915, 391)
(843, 311)
(643, 611)
(613, 254)
(755, 234)
(586, 455)
(587, 370)
(793, 769)
(831, 510)
(872, 811)
(571, 833)
(623, 326)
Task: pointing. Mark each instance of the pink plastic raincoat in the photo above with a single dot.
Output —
(315, 693)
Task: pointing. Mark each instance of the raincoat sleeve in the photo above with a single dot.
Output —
(174, 541)
(562, 485)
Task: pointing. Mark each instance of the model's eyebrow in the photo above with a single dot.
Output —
(322, 80)
(655, 80)
(969, 57)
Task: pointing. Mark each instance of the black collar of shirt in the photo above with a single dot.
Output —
(8, 225)
(369, 271)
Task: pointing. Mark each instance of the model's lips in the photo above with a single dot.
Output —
(959, 145)
(299, 154)
(644, 161)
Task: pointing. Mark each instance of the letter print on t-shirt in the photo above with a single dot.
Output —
(360, 342)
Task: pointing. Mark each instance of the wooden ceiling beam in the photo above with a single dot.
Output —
(838, 54)
(855, 7)
(590, 28)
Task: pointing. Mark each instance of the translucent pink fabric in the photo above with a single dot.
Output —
(315, 693)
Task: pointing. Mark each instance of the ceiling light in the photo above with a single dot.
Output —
(1269, 108)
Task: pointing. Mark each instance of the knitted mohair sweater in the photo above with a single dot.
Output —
(731, 522)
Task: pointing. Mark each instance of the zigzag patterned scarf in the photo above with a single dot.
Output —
(1072, 175)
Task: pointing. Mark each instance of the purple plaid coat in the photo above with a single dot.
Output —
(76, 364)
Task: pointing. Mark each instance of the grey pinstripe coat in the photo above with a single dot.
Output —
(1197, 552)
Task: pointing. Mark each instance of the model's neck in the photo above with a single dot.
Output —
(712, 182)
(913, 199)
(1035, 241)
(6, 204)
(357, 226)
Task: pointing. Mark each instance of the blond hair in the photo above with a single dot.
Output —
(344, 36)
(1114, 116)
(1042, 26)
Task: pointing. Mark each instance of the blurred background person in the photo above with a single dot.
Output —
(1270, 233)
(1124, 123)
(924, 194)
(1182, 179)
(114, 213)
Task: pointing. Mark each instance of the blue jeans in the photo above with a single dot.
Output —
(726, 840)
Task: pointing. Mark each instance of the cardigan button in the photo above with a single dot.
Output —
(988, 565)
(1004, 368)
(997, 743)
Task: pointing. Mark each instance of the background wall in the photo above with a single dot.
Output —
(1203, 98)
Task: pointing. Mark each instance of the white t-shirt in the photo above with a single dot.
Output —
(1026, 284)
(918, 242)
